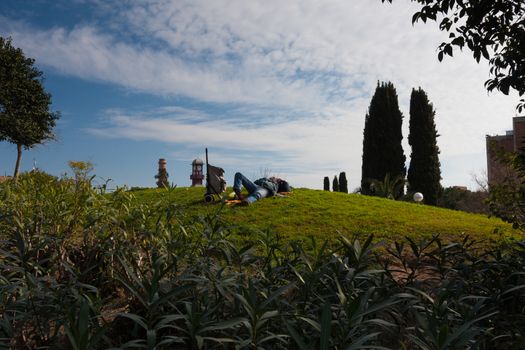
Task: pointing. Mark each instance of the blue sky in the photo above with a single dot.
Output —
(267, 86)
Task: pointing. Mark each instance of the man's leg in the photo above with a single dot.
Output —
(241, 180)
(259, 193)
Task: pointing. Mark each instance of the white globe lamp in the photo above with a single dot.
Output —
(418, 197)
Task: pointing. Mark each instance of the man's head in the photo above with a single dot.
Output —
(284, 186)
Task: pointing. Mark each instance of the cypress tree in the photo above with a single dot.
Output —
(382, 150)
(343, 184)
(335, 184)
(424, 172)
(326, 183)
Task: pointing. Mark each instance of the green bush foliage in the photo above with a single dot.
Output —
(507, 197)
(464, 200)
(388, 187)
(85, 269)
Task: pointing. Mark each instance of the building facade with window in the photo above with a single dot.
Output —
(498, 145)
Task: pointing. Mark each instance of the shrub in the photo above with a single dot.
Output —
(462, 199)
(107, 271)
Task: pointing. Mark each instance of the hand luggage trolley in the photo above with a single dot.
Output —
(215, 182)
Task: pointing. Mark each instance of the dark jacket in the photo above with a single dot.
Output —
(271, 186)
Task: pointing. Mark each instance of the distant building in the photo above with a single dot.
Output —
(4, 178)
(197, 174)
(496, 145)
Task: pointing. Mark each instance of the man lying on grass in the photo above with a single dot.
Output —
(261, 188)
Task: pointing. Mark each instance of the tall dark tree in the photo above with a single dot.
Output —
(424, 172)
(343, 184)
(491, 29)
(326, 184)
(335, 184)
(382, 150)
(25, 118)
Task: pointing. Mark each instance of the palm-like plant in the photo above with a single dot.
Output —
(390, 188)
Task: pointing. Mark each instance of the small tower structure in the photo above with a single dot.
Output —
(197, 173)
(162, 176)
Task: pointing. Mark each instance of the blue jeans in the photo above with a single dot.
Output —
(255, 192)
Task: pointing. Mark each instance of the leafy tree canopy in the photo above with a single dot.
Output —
(491, 29)
(25, 118)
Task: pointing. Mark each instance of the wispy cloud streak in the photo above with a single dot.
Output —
(296, 76)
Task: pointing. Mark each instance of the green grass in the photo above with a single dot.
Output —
(325, 215)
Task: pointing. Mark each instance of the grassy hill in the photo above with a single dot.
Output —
(325, 215)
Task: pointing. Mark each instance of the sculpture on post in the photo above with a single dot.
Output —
(197, 173)
(162, 176)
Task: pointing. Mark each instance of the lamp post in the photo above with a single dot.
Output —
(418, 197)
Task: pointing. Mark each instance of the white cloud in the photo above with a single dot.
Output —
(86, 53)
(296, 149)
(315, 64)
